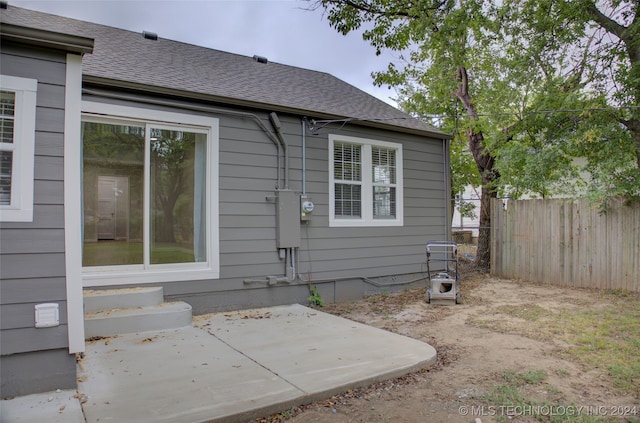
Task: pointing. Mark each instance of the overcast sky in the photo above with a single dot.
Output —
(284, 31)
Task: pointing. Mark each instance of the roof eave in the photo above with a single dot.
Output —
(153, 89)
(49, 39)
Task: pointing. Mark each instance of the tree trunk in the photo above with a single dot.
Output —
(166, 231)
(483, 254)
(637, 137)
(485, 162)
(633, 125)
(452, 208)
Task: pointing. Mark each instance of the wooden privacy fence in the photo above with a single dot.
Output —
(567, 242)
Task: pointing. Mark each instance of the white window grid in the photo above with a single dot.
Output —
(376, 187)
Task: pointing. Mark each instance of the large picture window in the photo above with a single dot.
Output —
(147, 195)
(17, 139)
(365, 182)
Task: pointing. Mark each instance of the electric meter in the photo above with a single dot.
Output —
(306, 208)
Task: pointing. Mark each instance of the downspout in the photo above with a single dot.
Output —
(447, 188)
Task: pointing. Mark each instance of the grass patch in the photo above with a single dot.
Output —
(605, 335)
(116, 253)
(530, 312)
(513, 397)
(607, 338)
(530, 377)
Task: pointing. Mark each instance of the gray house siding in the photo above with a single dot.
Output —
(337, 259)
(32, 256)
(371, 252)
(344, 263)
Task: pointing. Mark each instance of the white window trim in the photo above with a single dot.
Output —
(24, 135)
(120, 275)
(367, 184)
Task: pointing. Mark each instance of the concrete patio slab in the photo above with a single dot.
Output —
(229, 367)
(317, 352)
(55, 407)
(180, 375)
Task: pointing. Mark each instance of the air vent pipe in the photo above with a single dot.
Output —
(150, 35)
(260, 59)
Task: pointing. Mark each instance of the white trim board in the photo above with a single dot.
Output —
(73, 203)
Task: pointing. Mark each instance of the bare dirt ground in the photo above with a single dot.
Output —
(476, 345)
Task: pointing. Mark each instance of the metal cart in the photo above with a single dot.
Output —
(444, 285)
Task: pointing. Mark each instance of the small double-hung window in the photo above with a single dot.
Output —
(365, 182)
(17, 136)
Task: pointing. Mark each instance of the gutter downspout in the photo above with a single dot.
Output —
(447, 188)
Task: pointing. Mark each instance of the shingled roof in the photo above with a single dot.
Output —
(126, 58)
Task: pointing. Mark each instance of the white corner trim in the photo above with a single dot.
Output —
(73, 203)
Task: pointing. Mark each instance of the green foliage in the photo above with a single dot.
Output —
(519, 392)
(530, 377)
(315, 298)
(607, 339)
(108, 145)
(603, 333)
(466, 209)
(556, 85)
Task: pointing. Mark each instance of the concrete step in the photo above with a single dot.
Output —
(109, 299)
(137, 319)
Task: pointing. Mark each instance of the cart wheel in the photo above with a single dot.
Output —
(458, 298)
